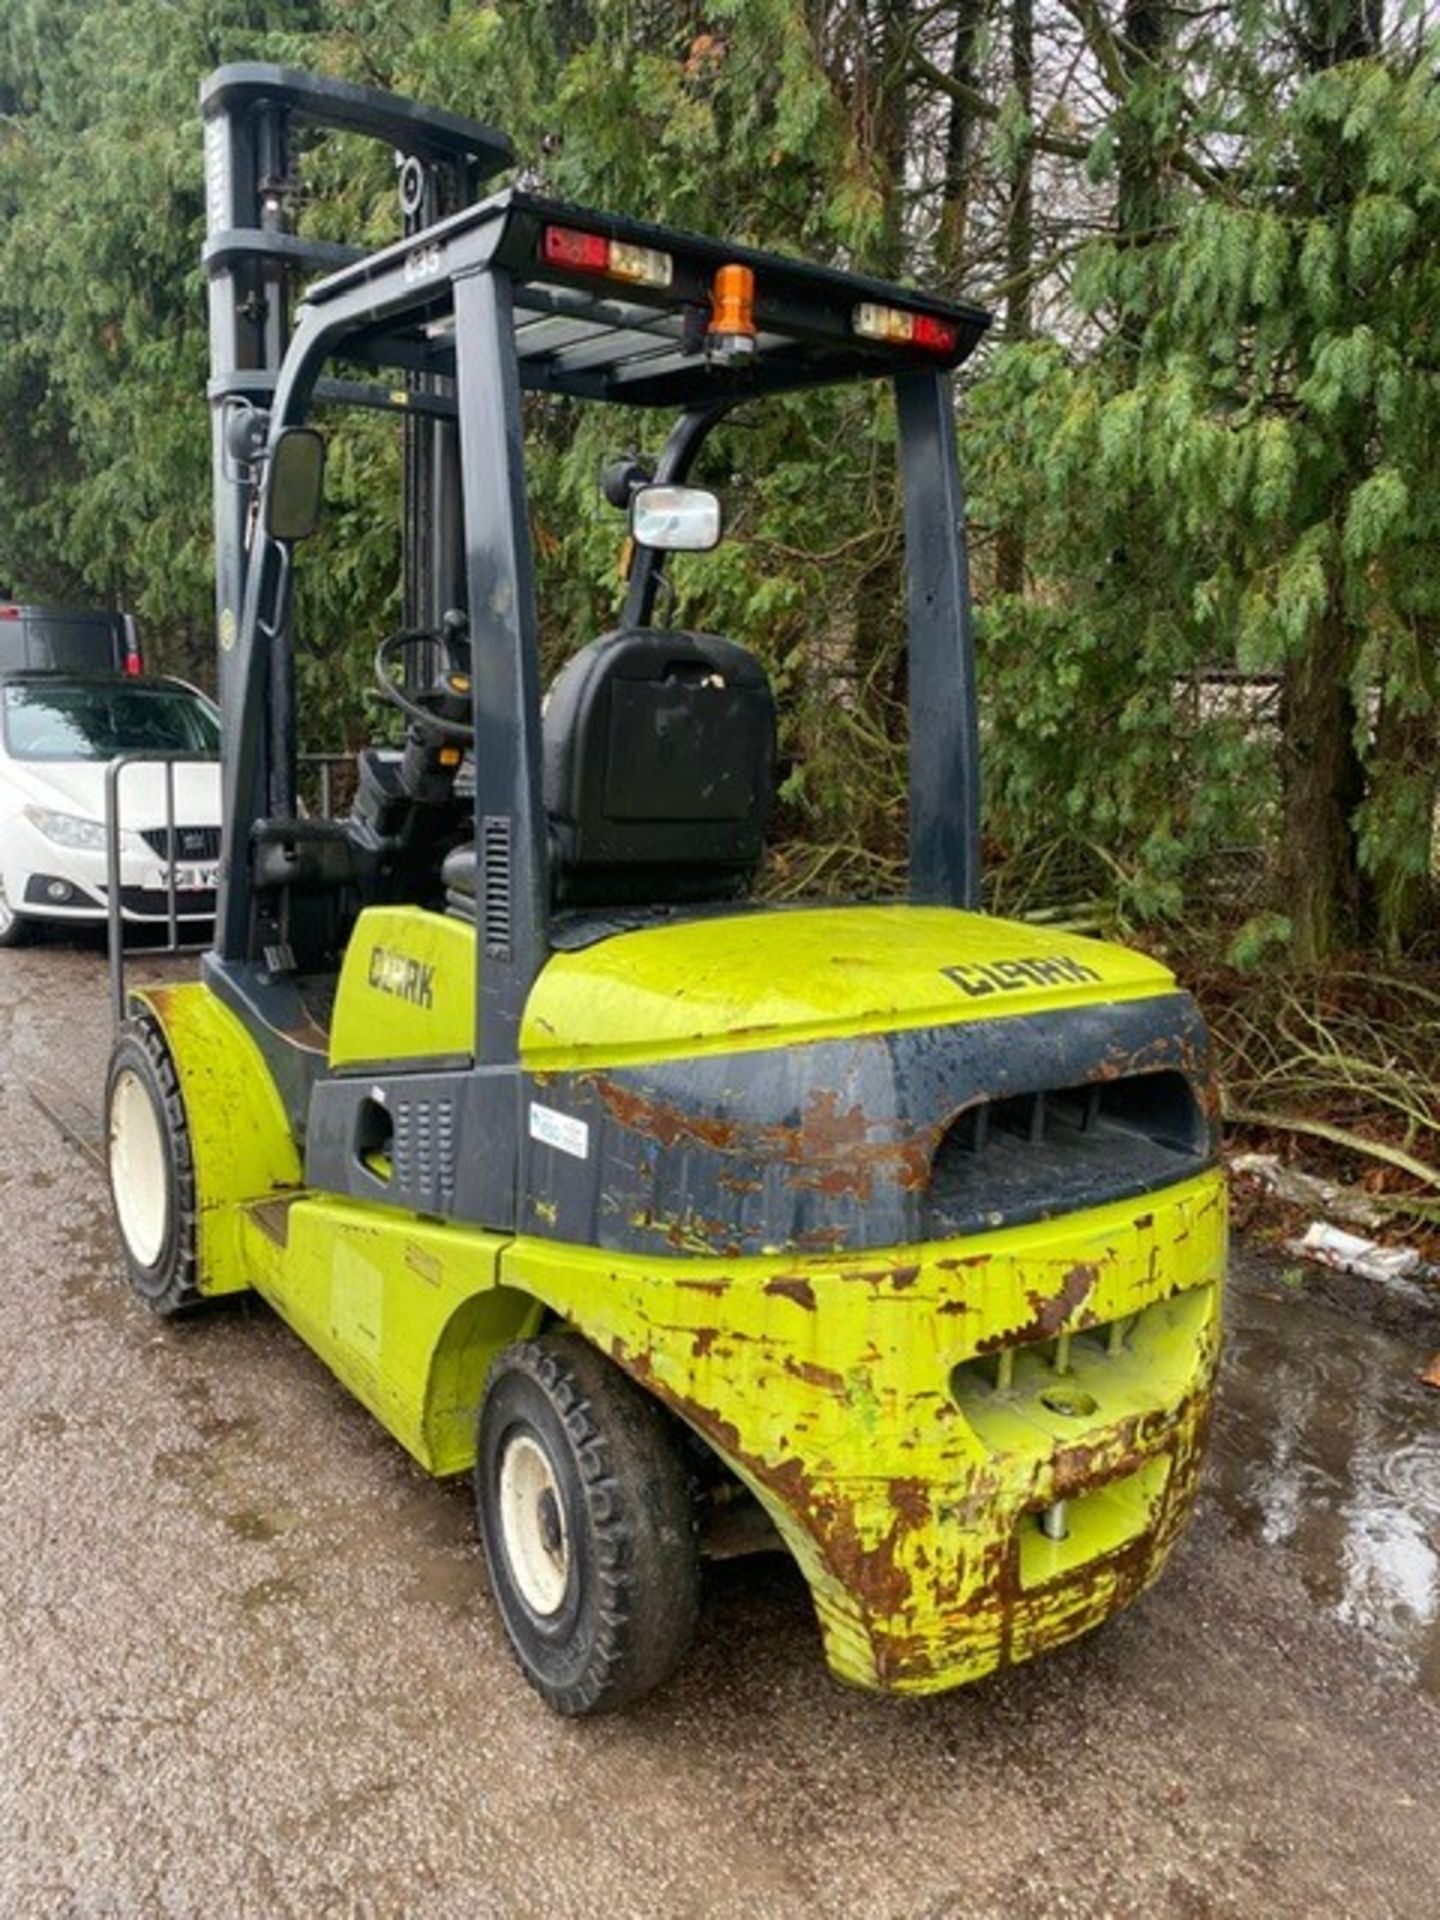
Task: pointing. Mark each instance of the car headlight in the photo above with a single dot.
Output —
(73, 830)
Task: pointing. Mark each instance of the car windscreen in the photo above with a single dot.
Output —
(79, 722)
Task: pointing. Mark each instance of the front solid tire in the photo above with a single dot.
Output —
(151, 1169)
(588, 1523)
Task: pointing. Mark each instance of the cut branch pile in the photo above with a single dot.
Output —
(1346, 1062)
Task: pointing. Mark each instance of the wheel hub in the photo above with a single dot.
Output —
(532, 1520)
(137, 1168)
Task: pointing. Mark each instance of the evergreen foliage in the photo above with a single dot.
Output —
(1201, 444)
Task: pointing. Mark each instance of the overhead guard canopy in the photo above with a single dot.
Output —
(599, 337)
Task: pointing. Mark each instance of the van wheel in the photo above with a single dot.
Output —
(151, 1167)
(14, 928)
(588, 1523)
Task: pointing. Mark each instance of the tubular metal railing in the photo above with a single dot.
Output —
(114, 901)
(327, 765)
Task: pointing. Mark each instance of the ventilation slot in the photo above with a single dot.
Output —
(424, 1154)
(1029, 1155)
(495, 883)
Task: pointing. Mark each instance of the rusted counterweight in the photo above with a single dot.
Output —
(945, 1297)
(906, 1419)
(882, 1139)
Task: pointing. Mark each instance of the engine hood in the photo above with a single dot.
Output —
(749, 981)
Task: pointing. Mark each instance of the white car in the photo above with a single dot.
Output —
(58, 734)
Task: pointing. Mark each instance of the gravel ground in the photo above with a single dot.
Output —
(249, 1665)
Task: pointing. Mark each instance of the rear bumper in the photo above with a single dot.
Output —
(906, 1418)
(973, 1582)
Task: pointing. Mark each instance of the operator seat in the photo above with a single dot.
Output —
(658, 773)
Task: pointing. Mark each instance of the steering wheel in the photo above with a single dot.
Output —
(436, 709)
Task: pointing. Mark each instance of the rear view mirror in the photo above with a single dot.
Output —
(675, 519)
(295, 484)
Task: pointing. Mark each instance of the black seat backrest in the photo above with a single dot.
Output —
(659, 769)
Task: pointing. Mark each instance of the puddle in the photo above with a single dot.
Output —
(44, 1423)
(265, 1594)
(254, 1523)
(1327, 1447)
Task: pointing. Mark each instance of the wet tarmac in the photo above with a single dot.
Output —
(1329, 1448)
(249, 1666)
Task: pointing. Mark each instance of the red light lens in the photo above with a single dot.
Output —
(938, 335)
(134, 664)
(580, 252)
(9, 613)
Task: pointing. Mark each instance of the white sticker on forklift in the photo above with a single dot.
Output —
(560, 1130)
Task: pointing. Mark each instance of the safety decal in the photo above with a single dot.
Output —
(560, 1130)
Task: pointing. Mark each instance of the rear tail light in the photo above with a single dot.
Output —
(9, 613)
(133, 663)
(580, 252)
(901, 328)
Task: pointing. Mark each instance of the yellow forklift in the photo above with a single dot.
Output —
(891, 1230)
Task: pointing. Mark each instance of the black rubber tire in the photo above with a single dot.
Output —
(632, 1584)
(14, 927)
(167, 1285)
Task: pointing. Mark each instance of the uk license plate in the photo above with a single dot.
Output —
(189, 879)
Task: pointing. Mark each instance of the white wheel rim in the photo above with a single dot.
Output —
(532, 1524)
(137, 1168)
(7, 913)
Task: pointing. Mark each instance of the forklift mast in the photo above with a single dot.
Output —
(253, 113)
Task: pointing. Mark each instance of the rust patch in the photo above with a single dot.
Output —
(911, 1500)
(825, 1130)
(664, 1124)
(873, 1574)
(814, 1375)
(793, 1286)
(820, 1240)
(1050, 1311)
(829, 1150)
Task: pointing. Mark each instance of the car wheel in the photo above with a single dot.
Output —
(14, 928)
(588, 1522)
(151, 1168)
